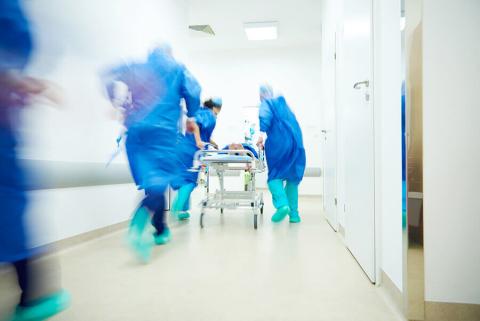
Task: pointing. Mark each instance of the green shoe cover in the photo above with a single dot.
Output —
(280, 214)
(140, 242)
(163, 238)
(181, 216)
(43, 308)
(295, 218)
(180, 205)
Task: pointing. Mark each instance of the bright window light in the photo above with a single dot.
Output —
(261, 30)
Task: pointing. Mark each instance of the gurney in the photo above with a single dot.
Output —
(220, 162)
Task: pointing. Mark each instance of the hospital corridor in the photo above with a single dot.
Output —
(227, 271)
(225, 160)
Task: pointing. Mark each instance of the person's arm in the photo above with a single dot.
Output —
(265, 116)
(18, 87)
(213, 143)
(191, 91)
(195, 130)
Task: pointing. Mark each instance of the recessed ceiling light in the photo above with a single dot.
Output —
(261, 30)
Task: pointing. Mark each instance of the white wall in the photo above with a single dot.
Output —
(72, 48)
(451, 69)
(235, 75)
(75, 40)
(57, 214)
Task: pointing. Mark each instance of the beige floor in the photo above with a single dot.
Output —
(225, 272)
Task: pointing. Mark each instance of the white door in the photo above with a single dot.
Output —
(358, 128)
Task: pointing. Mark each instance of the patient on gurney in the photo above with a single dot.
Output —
(243, 146)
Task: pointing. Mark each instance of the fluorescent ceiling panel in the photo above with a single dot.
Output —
(261, 30)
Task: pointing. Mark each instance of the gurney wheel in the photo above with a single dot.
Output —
(255, 219)
(201, 219)
(221, 210)
(261, 209)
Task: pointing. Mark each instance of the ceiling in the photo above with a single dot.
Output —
(298, 22)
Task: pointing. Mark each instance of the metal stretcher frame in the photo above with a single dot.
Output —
(222, 199)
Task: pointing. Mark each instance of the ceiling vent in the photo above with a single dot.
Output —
(203, 28)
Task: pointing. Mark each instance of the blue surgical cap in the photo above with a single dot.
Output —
(217, 101)
(266, 92)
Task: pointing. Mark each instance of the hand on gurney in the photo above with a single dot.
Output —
(193, 128)
(260, 143)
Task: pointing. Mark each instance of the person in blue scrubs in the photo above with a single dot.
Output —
(151, 115)
(284, 153)
(16, 89)
(199, 133)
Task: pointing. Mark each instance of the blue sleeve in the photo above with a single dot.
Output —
(109, 76)
(16, 42)
(265, 115)
(191, 93)
(201, 119)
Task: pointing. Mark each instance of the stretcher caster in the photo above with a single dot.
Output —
(221, 211)
(201, 219)
(261, 209)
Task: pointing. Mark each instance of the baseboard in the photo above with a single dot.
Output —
(89, 236)
(440, 311)
(392, 291)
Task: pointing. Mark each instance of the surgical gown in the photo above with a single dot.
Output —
(15, 50)
(157, 88)
(284, 149)
(187, 147)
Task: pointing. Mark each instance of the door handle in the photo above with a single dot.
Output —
(359, 84)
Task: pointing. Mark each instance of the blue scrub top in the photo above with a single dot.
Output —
(187, 147)
(206, 121)
(284, 148)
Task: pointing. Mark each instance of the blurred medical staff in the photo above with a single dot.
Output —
(284, 152)
(151, 116)
(199, 133)
(16, 91)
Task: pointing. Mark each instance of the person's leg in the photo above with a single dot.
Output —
(140, 241)
(23, 279)
(291, 189)
(181, 204)
(280, 201)
(31, 305)
(155, 201)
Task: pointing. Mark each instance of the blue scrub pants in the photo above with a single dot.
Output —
(182, 201)
(284, 193)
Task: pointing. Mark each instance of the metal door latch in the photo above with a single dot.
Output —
(359, 84)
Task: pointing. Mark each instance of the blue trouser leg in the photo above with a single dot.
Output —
(279, 197)
(155, 202)
(280, 200)
(186, 204)
(182, 200)
(291, 189)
